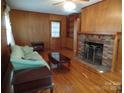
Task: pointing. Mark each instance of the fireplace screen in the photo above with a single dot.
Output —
(93, 52)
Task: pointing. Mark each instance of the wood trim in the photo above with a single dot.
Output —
(115, 53)
(100, 33)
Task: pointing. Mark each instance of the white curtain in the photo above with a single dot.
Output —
(10, 39)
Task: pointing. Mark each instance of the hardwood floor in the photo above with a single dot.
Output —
(81, 78)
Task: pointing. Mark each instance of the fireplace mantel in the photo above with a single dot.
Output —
(100, 33)
(116, 35)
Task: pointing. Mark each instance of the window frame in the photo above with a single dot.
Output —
(51, 28)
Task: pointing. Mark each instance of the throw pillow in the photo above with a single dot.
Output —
(16, 52)
(27, 50)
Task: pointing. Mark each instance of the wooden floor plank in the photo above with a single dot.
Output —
(81, 78)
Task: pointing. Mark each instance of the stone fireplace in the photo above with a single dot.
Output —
(96, 49)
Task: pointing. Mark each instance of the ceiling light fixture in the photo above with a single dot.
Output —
(69, 6)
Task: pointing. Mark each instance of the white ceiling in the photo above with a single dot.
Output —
(46, 6)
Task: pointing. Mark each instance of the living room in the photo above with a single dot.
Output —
(88, 39)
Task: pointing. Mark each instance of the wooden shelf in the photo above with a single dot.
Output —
(70, 23)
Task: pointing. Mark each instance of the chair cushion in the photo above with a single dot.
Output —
(31, 59)
(27, 50)
(32, 56)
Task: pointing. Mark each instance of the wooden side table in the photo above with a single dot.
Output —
(38, 46)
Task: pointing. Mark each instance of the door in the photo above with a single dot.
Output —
(55, 35)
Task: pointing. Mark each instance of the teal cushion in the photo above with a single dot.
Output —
(27, 50)
(21, 61)
(19, 64)
(33, 56)
(16, 52)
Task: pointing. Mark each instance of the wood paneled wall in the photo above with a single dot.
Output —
(31, 26)
(104, 16)
(69, 43)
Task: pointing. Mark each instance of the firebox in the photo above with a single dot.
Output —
(93, 52)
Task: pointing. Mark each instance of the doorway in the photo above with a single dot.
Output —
(55, 40)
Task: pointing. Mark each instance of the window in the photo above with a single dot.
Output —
(55, 29)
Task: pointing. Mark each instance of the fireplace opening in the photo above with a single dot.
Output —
(93, 52)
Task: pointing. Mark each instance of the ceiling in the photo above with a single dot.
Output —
(46, 6)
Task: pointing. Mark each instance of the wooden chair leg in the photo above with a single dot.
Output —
(51, 90)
